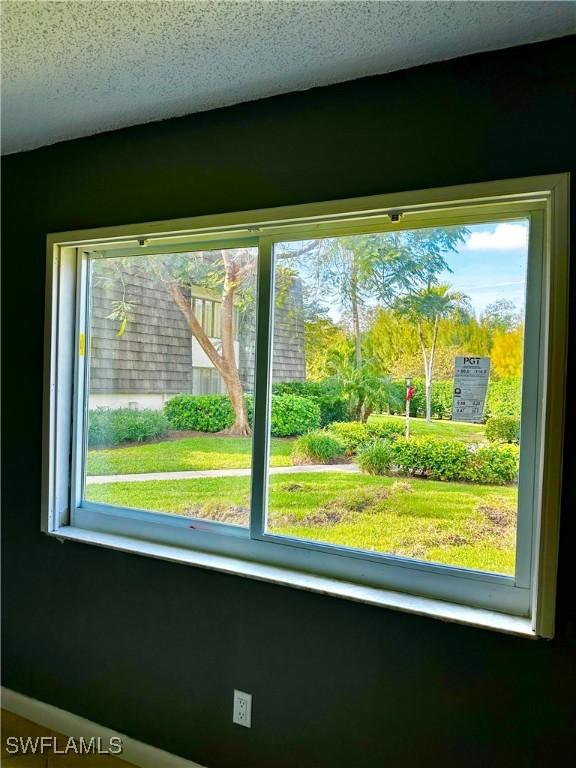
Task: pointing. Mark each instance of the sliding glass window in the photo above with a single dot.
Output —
(398, 360)
(356, 391)
(154, 429)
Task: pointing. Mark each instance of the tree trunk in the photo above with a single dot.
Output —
(430, 372)
(229, 372)
(427, 376)
(366, 413)
(225, 363)
(428, 397)
(355, 313)
(233, 384)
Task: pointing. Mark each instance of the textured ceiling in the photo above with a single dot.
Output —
(75, 68)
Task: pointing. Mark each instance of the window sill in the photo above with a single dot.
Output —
(423, 606)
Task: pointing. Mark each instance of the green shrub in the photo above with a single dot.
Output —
(332, 408)
(108, 427)
(385, 430)
(202, 413)
(503, 429)
(503, 398)
(432, 458)
(312, 389)
(293, 415)
(376, 458)
(452, 460)
(494, 464)
(352, 433)
(318, 447)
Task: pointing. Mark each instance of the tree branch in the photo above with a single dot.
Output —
(184, 306)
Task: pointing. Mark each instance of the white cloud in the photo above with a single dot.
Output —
(504, 237)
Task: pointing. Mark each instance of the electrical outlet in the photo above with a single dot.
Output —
(242, 714)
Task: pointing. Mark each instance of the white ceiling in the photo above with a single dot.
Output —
(71, 69)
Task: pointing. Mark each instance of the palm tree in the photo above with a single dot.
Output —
(427, 307)
(366, 389)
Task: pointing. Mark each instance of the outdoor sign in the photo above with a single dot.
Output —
(470, 384)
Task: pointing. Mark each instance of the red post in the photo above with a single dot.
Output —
(409, 395)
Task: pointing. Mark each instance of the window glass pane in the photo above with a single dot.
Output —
(208, 318)
(216, 382)
(397, 365)
(198, 305)
(196, 381)
(149, 369)
(217, 320)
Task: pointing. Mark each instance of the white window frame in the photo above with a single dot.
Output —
(520, 604)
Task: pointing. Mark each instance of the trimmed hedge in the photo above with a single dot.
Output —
(494, 464)
(108, 427)
(443, 460)
(355, 434)
(430, 457)
(352, 433)
(202, 413)
(291, 414)
(503, 429)
(312, 389)
(387, 430)
(318, 447)
(333, 406)
(503, 398)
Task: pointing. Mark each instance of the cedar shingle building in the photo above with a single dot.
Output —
(158, 357)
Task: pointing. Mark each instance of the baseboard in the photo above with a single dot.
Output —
(68, 724)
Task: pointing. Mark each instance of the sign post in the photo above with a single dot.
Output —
(409, 395)
(471, 376)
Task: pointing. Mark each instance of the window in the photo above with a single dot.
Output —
(207, 314)
(139, 330)
(442, 311)
(198, 309)
(217, 332)
(379, 423)
(207, 381)
(208, 317)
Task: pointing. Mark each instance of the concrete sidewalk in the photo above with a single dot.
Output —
(195, 475)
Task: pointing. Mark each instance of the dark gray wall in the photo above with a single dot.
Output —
(154, 649)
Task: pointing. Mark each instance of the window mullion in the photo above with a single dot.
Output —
(262, 381)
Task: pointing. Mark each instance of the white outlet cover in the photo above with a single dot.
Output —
(242, 713)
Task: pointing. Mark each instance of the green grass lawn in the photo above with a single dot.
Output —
(456, 430)
(218, 452)
(192, 453)
(472, 526)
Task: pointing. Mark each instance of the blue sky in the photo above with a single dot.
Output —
(491, 264)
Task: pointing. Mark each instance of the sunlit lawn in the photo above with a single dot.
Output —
(455, 523)
(218, 452)
(468, 433)
(192, 453)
